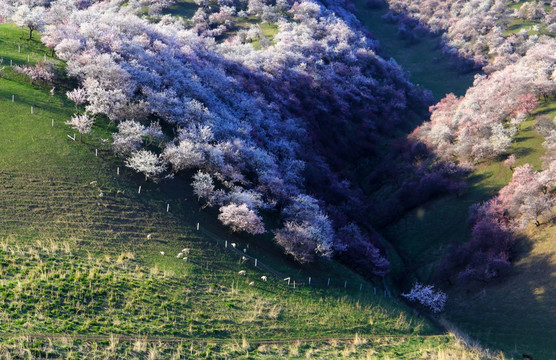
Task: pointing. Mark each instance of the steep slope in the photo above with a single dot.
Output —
(507, 313)
(76, 259)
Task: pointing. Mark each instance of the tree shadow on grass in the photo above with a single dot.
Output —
(516, 314)
(522, 152)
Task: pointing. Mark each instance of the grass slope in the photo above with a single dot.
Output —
(182, 8)
(513, 315)
(516, 314)
(75, 262)
(424, 233)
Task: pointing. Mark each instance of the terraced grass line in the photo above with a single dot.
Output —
(115, 348)
(204, 340)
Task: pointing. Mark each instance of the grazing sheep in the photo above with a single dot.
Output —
(242, 272)
(243, 258)
(162, 253)
(93, 183)
(186, 250)
(252, 283)
(185, 258)
(180, 255)
(101, 195)
(244, 251)
(149, 237)
(233, 245)
(264, 278)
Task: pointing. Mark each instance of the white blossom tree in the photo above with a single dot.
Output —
(535, 207)
(241, 218)
(33, 18)
(297, 240)
(203, 187)
(186, 155)
(427, 296)
(146, 162)
(128, 138)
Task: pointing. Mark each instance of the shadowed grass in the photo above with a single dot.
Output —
(424, 60)
(182, 8)
(424, 233)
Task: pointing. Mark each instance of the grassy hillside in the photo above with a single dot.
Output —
(517, 313)
(497, 314)
(424, 233)
(80, 277)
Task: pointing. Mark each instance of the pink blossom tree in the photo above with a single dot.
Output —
(82, 123)
(510, 162)
(78, 96)
(42, 71)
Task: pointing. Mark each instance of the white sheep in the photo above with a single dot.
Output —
(186, 250)
(185, 258)
(243, 258)
(101, 195)
(233, 245)
(180, 255)
(264, 278)
(149, 237)
(242, 272)
(252, 283)
(162, 253)
(244, 251)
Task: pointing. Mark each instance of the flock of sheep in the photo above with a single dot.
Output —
(186, 251)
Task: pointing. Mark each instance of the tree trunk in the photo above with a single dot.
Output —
(30, 33)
